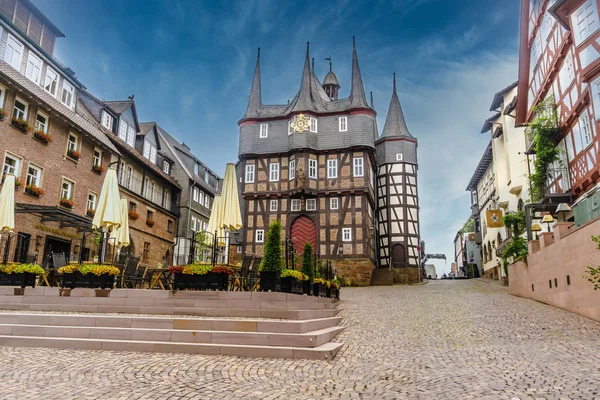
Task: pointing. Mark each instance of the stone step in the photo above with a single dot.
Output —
(196, 311)
(171, 302)
(166, 294)
(326, 351)
(174, 323)
(309, 339)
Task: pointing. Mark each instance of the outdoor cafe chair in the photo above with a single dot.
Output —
(239, 280)
(252, 283)
(132, 274)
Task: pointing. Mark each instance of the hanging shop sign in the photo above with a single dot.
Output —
(494, 218)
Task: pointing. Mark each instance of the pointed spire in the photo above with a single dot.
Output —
(304, 100)
(255, 101)
(372, 104)
(357, 90)
(395, 124)
(313, 65)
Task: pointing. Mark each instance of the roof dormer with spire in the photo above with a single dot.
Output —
(312, 118)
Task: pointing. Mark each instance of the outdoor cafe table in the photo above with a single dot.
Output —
(160, 277)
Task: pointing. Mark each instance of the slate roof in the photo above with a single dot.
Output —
(310, 97)
(395, 124)
(487, 125)
(499, 97)
(124, 147)
(179, 147)
(331, 79)
(118, 107)
(483, 165)
(145, 127)
(51, 102)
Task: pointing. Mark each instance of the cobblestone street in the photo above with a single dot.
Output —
(442, 340)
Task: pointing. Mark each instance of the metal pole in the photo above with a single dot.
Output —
(214, 249)
(287, 255)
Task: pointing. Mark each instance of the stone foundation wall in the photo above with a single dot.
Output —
(356, 270)
(491, 273)
(406, 275)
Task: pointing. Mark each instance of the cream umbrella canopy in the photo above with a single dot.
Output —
(215, 222)
(7, 205)
(230, 202)
(108, 211)
(120, 235)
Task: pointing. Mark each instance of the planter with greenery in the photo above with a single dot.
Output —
(42, 137)
(21, 275)
(218, 277)
(133, 215)
(542, 130)
(34, 191)
(2, 114)
(150, 222)
(272, 264)
(20, 124)
(99, 169)
(319, 287)
(335, 289)
(90, 213)
(74, 154)
(67, 203)
(194, 276)
(88, 276)
(292, 281)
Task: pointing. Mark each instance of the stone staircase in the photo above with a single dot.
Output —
(247, 324)
(382, 277)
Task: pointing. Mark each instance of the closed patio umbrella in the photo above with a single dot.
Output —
(108, 212)
(230, 202)
(7, 205)
(120, 235)
(215, 222)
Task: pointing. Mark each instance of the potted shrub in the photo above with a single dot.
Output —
(150, 222)
(19, 274)
(34, 191)
(271, 265)
(99, 169)
(335, 289)
(88, 276)
(292, 281)
(218, 278)
(2, 114)
(20, 124)
(190, 276)
(133, 215)
(319, 287)
(67, 203)
(307, 268)
(74, 154)
(42, 137)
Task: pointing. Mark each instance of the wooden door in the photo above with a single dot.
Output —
(303, 231)
(398, 256)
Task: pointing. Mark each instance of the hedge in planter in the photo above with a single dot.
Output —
(201, 277)
(307, 268)
(19, 274)
(88, 276)
(292, 281)
(271, 266)
(320, 287)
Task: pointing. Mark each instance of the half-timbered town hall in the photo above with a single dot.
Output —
(319, 165)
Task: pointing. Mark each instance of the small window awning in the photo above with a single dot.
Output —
(66, 218)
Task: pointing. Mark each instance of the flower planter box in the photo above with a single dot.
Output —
(216, 281)
(42, 138)
(21, 280)
(335, 293)
(292, 285)
(104, 281)
(270, 282)
(186, 281)
(328, 292)
(319, 290)
(20, 127)
(307, 288)
(75, 280)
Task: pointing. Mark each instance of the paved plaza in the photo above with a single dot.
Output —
(442, 340)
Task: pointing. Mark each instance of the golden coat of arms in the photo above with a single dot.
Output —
(300, 123)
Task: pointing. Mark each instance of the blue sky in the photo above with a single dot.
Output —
(190, 64)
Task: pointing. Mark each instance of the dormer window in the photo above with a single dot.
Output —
(264, 130)
(206, 176)
(34, 68)
(14, 52)
(130, 136)
(150, 151)
(343, 124)
(51, 81)
(126, 133)
(166, 167)
(196, 169)
(313, 124)
(68, 93)
(585, 21)
(107, 120)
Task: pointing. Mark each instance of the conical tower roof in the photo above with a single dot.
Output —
(306, 99)
(255, 101)
(395, 124)
(357, 91)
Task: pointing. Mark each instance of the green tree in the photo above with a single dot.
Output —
(272, 261)
(469, 226)
(307, 267)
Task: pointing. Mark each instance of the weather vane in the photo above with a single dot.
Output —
(329, 59)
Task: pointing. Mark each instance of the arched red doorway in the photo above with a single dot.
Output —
(303, 231)
(398, 256)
